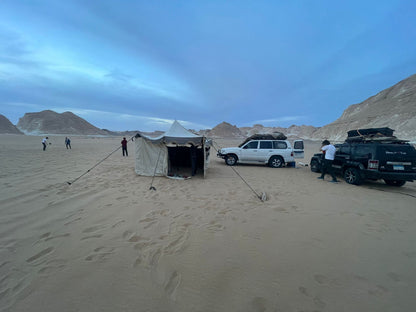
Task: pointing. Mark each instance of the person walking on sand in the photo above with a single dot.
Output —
(67, 143)
(124, 146)
(329, 155)
(45, 142)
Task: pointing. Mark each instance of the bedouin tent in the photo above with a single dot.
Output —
(170, 153)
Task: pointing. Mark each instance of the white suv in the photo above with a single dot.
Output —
(274, 153)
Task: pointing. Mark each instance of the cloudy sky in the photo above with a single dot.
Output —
(138, 65)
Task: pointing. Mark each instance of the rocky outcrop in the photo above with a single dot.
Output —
(303, 132)
(394, 107)
(50, 122)
(225, 130)
(6, 127)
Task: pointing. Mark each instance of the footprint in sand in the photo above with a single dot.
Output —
(304, 291)
(100, 254)
(91, 236)
(93, 229)
(117, 223)
(40, 255)
(47, 234)
(154, 258)
(72, 221)
(172, 284)
(135, 238)
(321, 279)
(178, 240)
(53, 266)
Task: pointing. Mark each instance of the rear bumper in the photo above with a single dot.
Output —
(402, 176)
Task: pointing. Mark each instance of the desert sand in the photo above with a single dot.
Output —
(108, 243)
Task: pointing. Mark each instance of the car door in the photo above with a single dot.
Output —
(298, 149)
(249, 151)
(264, 151)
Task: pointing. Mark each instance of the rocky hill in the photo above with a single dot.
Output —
(50, 122)
(226, 130)
(394, 107)
(7, 127)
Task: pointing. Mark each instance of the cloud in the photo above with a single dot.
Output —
(278, 120)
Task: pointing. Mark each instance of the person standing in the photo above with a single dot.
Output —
(45, 142)
(67, 143)
(329, 155)
(193, 159)
(124, 147)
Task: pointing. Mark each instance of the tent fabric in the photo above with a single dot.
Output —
(151, 158)
(177, 134)
(152, 155)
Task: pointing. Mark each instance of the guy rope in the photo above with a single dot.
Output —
(70, 183)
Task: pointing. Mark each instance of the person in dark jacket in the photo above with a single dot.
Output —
(193, 159)
(124, 147)
(67, 143)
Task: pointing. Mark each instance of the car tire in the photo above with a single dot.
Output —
(395, 182)
(315, 167)
(352, 176)
(276, 162)
(231, 160)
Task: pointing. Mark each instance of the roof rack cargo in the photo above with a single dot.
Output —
(265, 136)
(377, 132)
(381, 135)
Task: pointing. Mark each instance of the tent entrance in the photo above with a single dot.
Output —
(180, 161)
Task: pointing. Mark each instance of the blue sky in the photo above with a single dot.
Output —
(138, 65)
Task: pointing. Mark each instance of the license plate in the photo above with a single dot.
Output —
(398, 167)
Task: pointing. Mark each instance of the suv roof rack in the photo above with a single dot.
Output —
(392, 139)
(371, 132)
(265, 136)
(372, 135)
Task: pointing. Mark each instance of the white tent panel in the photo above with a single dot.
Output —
(153, 158)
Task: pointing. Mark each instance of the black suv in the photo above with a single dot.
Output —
(373, 158)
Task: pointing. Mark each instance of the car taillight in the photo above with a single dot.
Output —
(373, 164)
(291, 154)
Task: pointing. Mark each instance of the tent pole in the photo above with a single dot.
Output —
(154, 172)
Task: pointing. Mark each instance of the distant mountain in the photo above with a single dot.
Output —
(50, 122)
(226, 130)
(7, 127)
(394, 107)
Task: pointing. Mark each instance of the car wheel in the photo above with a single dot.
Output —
(395, 182)
(315, 166)
(352, 176)
(230, 160)
(276, 162)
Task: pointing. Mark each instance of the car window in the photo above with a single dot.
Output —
(266, 145)
(251, 145)
(362, 151)
(298, 145)
(279, 145)
(344, 149)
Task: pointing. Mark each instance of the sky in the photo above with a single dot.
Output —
(139, 65)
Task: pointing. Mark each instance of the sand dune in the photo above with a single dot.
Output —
(108, 243)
